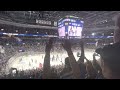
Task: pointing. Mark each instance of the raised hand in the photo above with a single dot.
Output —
(46, 65)
(67, 45)
(74, 65)
(49, 45)
(82, 50)
(81, 43)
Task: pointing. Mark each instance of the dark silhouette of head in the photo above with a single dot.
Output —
(110, 60)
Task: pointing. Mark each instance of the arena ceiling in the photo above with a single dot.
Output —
(92, 19)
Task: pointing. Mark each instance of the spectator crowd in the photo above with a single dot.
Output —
(107, 67)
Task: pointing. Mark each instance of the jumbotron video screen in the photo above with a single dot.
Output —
(70, 27)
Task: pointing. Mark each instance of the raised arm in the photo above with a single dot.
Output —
(95, 63)
(82, 51)
(46, 66)
(73, 63)
(90, 69)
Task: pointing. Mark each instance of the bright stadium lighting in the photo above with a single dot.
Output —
(7, 44)
(2, 29)
(111, 43)
(23, 43)
(93, 34)
(16, 30)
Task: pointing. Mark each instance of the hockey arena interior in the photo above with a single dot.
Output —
(25, 42)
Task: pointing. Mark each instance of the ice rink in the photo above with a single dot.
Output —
(32, 60)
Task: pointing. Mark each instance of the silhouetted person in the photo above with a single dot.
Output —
(73, 63)
(97, 67)
(91, 73)
(66, 73)
(110, 61)
(46, 65)
(81, 62)
(110, 58)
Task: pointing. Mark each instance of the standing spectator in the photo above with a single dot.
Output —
(67, 71)
(91, 73)
(110, 61)
(46, 65)
(73, 63)
(97, 67)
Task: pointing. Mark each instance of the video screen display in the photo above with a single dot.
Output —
(74, 31)
(70, 28)
(61, 31)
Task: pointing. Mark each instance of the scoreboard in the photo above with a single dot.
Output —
(70, 27)
(46, 23)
